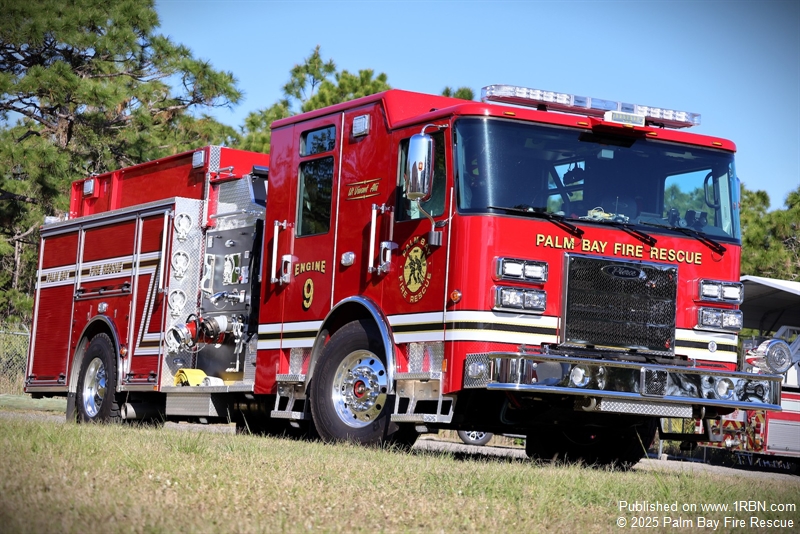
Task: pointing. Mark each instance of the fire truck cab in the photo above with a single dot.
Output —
(537, 263)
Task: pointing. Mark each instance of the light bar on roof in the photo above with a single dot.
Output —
(523, 96)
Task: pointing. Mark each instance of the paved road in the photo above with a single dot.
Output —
(467, 452)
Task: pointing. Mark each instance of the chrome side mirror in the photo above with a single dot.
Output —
(419, 170)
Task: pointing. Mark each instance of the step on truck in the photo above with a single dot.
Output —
(537, 263)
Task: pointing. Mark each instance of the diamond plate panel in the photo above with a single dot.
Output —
(645, 408)
(654, 382)
(193, 245)
(234, 197)
(195, 404)
(297, 359)
(425, 357)
(480, 381)
(214, 156)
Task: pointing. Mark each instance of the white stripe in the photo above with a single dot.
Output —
(269, 345)
(295, 343)
(118, 259)
(147, 351)
(149, 256)
(417, 337)
(790, 405)
(726, 356)
(684, 334)
(543, 321)
(698, 354)
(498, 337)
(302, 326)
(269, 328)
(417, 318)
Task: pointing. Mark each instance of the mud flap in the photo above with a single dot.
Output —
(71, 415)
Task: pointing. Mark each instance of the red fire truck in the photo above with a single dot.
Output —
(538, 263)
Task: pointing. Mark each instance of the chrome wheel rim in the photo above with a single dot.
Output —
(94, 387)
(474, 435)
(359, 389)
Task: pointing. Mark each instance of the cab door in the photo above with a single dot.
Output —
(307, 266)
(416, 290)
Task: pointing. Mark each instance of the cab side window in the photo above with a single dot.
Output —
(316, 182)
(408, 210)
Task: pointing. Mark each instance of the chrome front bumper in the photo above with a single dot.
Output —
(623, 387)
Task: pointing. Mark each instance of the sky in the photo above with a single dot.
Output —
(736, 62)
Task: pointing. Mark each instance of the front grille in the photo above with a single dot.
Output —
(619, 304)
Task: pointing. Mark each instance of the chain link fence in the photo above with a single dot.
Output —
(14, 339)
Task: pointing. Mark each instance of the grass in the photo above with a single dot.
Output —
(12, 384)
(123, 478)
(26, 403)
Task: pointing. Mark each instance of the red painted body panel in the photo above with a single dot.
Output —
(51, 336)
(60, 250)
(363, 159)
(152, 234)
(109, 241)
(172, 176)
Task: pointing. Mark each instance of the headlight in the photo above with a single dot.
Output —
(525, 270)
(715, 290)
(719, 319)
(724, 388)
(525, 300)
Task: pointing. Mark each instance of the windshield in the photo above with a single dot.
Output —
(595, 177)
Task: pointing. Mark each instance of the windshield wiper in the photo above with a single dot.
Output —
(691, 232)
(647, 239)
(558, 220)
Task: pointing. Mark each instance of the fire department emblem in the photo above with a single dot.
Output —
(415, 278)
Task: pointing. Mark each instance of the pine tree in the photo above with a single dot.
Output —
(770, 243)
(464, 93)
(313, 84)
(86, 86)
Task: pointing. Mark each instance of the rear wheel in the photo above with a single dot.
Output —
(97, 383)
(350, 389)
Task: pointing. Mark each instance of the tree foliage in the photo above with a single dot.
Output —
(464, 93)
(87, 86)
(770, 242)
(313, 84)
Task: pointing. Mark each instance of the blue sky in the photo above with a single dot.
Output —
(735, 62)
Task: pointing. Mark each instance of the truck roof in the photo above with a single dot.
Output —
(403, 108)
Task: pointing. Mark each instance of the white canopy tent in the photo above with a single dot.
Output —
(770, 303)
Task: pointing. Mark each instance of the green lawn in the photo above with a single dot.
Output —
(122, 478)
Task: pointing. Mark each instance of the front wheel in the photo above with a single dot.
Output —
(350, 388)
(97, 383)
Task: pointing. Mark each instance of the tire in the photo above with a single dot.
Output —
(475, 437)
(96, 400)
(620, 445)
(349, 390)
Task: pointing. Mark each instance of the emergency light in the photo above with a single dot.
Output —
(610, 110)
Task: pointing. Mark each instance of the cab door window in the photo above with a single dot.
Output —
(315, 178)
(408, 210)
